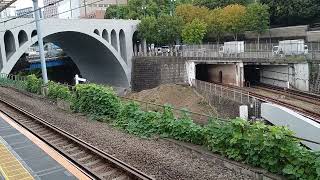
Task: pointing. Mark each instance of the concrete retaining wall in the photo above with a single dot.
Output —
(280, 75)
(150, 72)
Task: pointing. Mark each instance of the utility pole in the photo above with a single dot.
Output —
(40, 41)
(85, 8)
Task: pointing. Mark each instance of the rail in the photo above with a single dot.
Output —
(133, 172)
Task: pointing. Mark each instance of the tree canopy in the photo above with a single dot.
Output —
(194, 32)
(212, 4)
(293, 12)
(189, 12)
(234, 19)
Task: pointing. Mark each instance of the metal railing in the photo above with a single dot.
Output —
(221, 92)
(292, 51)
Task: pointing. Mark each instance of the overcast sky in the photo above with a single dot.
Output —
(26, 3)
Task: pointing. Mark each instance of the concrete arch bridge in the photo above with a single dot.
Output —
(101, 49)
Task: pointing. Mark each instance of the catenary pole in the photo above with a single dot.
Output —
(40, 42)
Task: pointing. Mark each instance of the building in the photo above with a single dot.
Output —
(8, 12)
(73, 9)
(50, 11)
(22, 13)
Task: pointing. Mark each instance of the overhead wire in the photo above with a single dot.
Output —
(56, 14)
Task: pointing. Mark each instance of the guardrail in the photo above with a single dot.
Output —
(249, 51)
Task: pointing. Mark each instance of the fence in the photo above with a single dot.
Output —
(284, 50)
(221, 92)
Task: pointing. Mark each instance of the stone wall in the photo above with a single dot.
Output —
(150, 72)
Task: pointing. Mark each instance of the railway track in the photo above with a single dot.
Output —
(90, 160)
(301, 95)
(301, 110)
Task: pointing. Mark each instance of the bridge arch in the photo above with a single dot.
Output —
(105, 35)
(123, 44)
(9, 44)
(22, 37)
(96, 59)
(114, 41)
(34, 33)
(96, 31)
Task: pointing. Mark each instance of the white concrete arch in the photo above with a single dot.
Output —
(123, 44)
(98, 59)
(22, 37)
(9, 44)
(33, 33)
(97, 32)
(114, 39)
(105, 35)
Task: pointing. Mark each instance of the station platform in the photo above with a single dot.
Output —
(21, 158)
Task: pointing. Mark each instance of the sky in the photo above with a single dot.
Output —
(26, 3)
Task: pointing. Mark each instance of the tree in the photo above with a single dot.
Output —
(189, 12)
(115, 11)
(169, 29)
(194, 32)
(212, 4)
(293, 12)
(216, 23)
(234, 19)
(257, 18)
(148, 29)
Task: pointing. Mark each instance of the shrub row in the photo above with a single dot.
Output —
(268, 147)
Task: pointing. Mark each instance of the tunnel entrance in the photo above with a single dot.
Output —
(217, 73)
(202, 72)
(252, 74)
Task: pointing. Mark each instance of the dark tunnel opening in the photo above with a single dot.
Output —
(252, 74)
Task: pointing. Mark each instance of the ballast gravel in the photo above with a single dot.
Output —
(156, 157)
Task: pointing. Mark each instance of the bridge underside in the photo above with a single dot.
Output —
(95, 62)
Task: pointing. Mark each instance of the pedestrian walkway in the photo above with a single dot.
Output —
(20, 158)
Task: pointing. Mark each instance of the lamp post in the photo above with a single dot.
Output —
(172, 6)
(144, 10)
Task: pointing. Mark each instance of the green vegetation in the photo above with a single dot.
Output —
(221, 16)
(58, 91)
(254, 143)
(33, 84)
(194, 32)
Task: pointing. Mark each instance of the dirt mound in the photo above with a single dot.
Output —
(177, 95)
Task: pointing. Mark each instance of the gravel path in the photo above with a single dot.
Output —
(157, 157)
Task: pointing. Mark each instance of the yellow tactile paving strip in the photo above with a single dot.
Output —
(10, 167)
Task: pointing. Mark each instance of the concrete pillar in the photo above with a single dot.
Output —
(144, 45)
(118, 42)
(239, 74)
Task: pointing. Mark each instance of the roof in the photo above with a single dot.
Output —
(5, 3)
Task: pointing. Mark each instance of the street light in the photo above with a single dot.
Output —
(171, 7)
(144, 10)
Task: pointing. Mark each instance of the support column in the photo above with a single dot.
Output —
(144, 46)
(40, 42)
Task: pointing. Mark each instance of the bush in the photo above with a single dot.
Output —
(58, 91)
(96, 100)
(269, 147)
(135, 121)
(33, 84)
